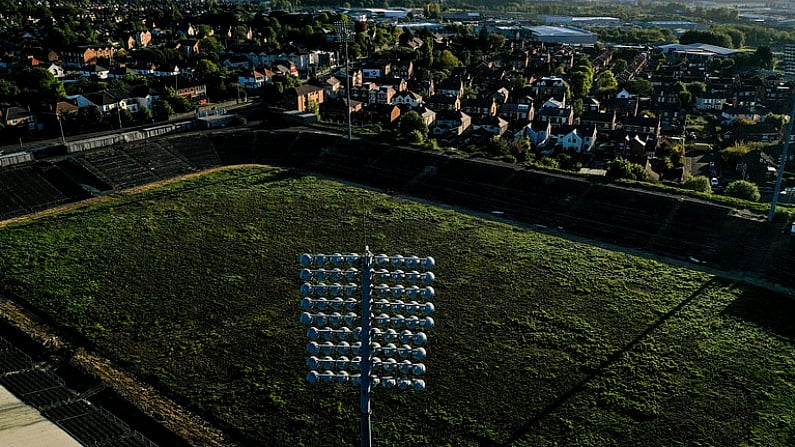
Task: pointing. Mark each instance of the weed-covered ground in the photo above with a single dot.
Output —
(539, 341)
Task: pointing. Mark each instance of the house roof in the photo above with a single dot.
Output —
(306, 89)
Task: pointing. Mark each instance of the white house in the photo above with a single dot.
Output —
(579, 139)
(252, 79)
(407, 98)
(56, 71)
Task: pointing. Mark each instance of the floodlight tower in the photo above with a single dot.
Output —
(373, 364)
(342, 33)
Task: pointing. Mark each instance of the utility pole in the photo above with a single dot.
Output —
(343, 34)
(782, 163)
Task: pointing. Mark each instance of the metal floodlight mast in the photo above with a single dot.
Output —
(342, 33)
(386, 349)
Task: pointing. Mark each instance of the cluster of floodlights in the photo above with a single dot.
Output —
(393, 292)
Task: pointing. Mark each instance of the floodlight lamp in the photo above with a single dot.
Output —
(312, 377)
(327, 362)
(327, 348)
(306, 274)
(427, 277)
(357, 333)
(381, 290)
(335, 319)
(342, 377)
(356, 348)
(389, 383)
(313, 348)
(427, 323)
(313, 333)
(312, 362)
(412, 292)
(412, 262)
(412, 322)
(419, 338)
(375, 364)
(307, 303)
(418, 369)
(376, 333)
(382, 320)
(321, 303)
(351, 304)
(356, 363)
(398, 276)
(412, 307)
(428, 263)
(337, 259)
(397, 306)
(343, 348)
(381, 305)
(335, 289)
(428, 292)
(404, 351)
(342, 363)
(335, 274)
(381, 260)
(389, 365)
(306, 289)
(344, 334)
(321, 289)
(391, 335)
(337, 304)
(321, 319)
(404, 384)
(356, 380)
(396, 260)
(418, 384)
(321, 274)
(428, 308)
(351, 319)
(405, 336)
(397, 291)
(418, 353)
(351, 274)
(330, 334)
(306, 260)
(397, 321)
(405, 367)
(350, 289)
(306, 318)
(412, 277)
(352, 259)
(319, 260)
(327, 377)
(389, 350)
(381, 275)
(375, 381)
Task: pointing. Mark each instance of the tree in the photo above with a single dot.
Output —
(619, 168)
(764, 57)
(698, 183)
(38, 85)
(742, 189)
(777, 120)
(641, 87)
(413, 124)
(447, 60)
(607, 83)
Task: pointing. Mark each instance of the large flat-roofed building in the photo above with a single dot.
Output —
(548, 34)
(561, 34)
(582, 21)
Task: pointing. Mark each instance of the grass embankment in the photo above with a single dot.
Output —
(540, 341)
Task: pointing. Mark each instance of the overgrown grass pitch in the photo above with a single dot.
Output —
(539, 341)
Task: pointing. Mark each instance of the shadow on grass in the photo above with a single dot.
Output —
(765, 309)
(612, 358)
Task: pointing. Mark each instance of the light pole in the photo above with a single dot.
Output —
(342, 33)
(60, 125)
(398, 325)
(782, 163)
